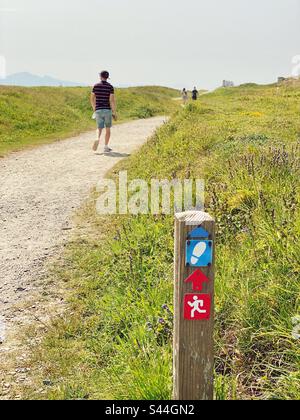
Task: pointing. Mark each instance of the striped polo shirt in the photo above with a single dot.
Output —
(103, 90)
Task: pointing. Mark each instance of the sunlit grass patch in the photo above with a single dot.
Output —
(33, 116)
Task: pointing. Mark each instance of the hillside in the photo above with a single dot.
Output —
(117, 340)
(32, 116)
(30, 80)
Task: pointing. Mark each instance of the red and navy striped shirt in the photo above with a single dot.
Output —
(103, 90)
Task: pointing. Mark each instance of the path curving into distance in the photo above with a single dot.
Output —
(39, 191)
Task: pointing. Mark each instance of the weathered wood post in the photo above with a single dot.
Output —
(194, 306)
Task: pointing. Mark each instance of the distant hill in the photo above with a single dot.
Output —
(31, 80)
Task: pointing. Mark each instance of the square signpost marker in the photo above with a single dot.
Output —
(199, 253)
(193, 358)
(197, 307)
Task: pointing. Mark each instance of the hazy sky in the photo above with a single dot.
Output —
(167, 42)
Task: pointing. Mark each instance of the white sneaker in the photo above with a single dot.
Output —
(107, 149)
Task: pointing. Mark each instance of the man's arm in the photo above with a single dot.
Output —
(93, 101)
(113, 105)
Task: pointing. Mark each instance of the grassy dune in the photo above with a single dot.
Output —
(117, 341)
(33, 116)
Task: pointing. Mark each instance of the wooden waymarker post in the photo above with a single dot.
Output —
(194, 308)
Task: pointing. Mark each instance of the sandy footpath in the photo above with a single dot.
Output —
(39, 191)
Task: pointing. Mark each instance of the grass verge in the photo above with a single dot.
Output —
(34, 116)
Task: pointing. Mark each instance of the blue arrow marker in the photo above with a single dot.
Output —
(199, 232)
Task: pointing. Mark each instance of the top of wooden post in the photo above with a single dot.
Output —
(193, 218)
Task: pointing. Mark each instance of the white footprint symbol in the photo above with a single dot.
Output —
(199, 250)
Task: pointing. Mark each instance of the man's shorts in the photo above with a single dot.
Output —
(104, 118)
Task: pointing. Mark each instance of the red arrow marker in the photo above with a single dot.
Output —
(197, 278)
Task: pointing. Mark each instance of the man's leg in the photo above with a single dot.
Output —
(107, 136)
(96, 144)
(108, 125)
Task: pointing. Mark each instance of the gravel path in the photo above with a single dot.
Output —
(39, 190)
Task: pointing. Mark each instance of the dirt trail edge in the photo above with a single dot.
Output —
(40, 190)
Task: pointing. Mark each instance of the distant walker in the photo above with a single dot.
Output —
(185, 96)
(195, 94)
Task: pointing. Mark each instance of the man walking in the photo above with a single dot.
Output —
(104, 105)
(195, 94)
(185, 96)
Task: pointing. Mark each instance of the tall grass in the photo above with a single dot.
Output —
(117, 342)
(32, 116)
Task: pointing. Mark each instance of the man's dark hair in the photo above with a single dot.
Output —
(104, 74)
